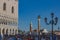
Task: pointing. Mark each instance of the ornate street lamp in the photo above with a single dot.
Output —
(53, 21)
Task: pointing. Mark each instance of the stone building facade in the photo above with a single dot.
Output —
(8, 17)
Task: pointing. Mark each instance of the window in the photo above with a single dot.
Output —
(12, 9)
(4, 6)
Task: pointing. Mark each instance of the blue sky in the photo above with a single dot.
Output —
(30, 9)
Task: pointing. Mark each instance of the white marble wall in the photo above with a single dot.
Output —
(8, 16)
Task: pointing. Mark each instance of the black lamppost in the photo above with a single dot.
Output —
(58, 28)
(53, 21)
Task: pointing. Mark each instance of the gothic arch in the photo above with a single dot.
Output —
(3, 31)
(6, 31)
(10, 31)
(16, 31)
(13, 31)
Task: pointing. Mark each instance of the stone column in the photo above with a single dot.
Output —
(5, 31)
(38, 23)
(1, 32)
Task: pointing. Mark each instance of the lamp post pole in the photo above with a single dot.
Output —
(52, 22)
(58, 28)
